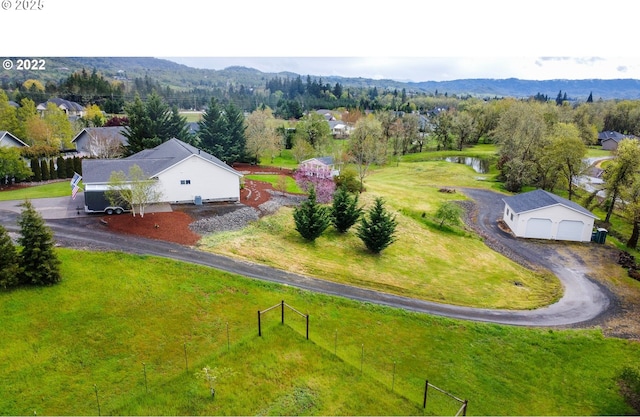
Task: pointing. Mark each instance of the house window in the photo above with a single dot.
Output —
(185, 182)
(511, 216)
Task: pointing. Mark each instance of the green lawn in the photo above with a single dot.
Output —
(424, 262)
(59, 188)
(105, 328)
(273, 179)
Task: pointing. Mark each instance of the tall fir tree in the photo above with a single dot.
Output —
(377, 228)
(38, 261)
(222, 132)
(212, 129)
(311, 218)
(345, 210)
(9, 259)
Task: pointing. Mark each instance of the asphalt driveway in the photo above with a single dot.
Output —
(583, 301)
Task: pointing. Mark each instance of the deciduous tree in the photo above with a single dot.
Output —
(620, 172)
(366, 146)
(12, 165)
(262, 138)
(449, 212)
(135, 190)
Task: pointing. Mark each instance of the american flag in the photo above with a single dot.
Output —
(74, 191)
(75, 180)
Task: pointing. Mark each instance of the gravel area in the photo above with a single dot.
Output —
(239, 218)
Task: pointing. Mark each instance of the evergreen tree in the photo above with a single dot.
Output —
(211, 129)
(235, 128)
(345, 211)
(222, 132)
(77, 166)
(10, 271)
(38, 260)
(152, 123)
(52, 170)
(69, 167)
(35, 168)
(590, 98)
(62, 168)
(377, 230)
(44, 170)
(311, 218)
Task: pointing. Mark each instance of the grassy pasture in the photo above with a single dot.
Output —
(425, 262)
(104, 327)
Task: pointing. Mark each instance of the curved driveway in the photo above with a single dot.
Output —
(583, 299)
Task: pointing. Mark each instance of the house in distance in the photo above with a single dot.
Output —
(184, 174)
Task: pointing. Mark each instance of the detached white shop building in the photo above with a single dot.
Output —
(184, 174)
(542, 215)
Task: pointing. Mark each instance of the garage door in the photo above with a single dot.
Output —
(570, 230)
(538, 228)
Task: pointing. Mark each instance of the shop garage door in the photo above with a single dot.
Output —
(570, 230)
(538, 228)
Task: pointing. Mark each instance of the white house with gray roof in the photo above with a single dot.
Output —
(542, 215)
(184, 174)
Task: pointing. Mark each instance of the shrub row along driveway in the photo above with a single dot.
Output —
(583, 300)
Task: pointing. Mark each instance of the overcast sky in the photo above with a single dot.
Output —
(435, 69)
(416, 40)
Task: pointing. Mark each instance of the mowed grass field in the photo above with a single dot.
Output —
(451, 266)
(127, 335)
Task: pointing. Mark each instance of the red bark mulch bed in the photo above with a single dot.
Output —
(174, 226)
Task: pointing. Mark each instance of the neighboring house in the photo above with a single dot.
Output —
(542, 215)
(339, 130)
(609, 139)
(9, 140)
(320, 167)
(72, 109)
(184, 174)
(100, 142)
(327, 114)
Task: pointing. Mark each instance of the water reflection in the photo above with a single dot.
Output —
(479, 165)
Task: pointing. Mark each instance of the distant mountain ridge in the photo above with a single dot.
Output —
(184, 77)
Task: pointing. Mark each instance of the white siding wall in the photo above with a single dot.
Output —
(207, 180)
(556, 214)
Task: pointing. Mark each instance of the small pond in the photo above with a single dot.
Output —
(481, 166)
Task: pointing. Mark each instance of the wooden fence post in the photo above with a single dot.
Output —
(307, 327)
(282, 311)
(426, 386)
(259, 329)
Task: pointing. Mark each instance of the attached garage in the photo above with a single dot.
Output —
(542, 215)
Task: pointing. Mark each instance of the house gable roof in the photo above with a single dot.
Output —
(153, 162)
(8, 139)
(615, 136)
(538, 199)
(325, 160)
(108, 132)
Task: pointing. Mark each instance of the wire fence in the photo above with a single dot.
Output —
(433, 399)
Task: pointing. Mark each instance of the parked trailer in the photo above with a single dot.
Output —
(97, 202)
